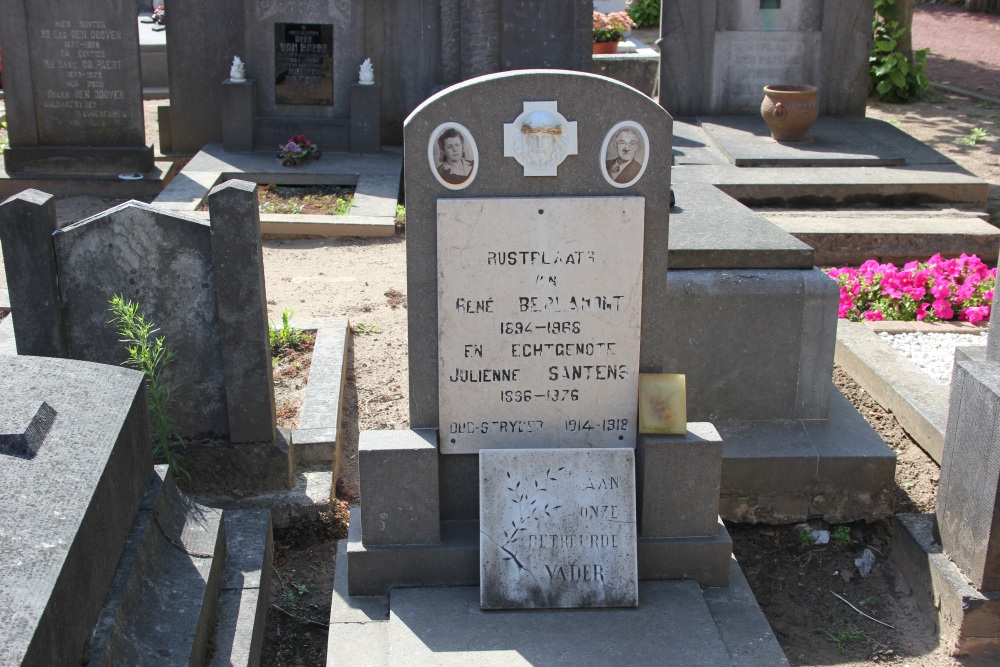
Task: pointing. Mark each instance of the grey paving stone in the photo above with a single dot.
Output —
(446, 627)
(711, 230)
(831, 142)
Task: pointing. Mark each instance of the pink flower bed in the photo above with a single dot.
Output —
(938, 289)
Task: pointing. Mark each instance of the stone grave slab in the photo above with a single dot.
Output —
(538, 318)
(831, 142)
(65, 511)
(557, 528)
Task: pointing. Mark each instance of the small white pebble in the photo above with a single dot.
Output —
(933, 353)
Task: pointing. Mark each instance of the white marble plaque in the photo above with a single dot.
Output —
(557, 528)
(747, 61)
(539, 306)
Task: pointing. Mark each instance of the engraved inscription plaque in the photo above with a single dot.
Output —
(85, 68)
(745, 62)
(557, 528)
(539, 306)
(303, 63)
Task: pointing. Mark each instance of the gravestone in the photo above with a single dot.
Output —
(65, 510)
(968, 509)
(445, 41)
(537, 206)
(952, 557)
(201, 284)
(717, 55)
(73, 88)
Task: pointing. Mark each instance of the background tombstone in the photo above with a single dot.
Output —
(445, 41)
(202, 285)
(717, 55)
(73, 86)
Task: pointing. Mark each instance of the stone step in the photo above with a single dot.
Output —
(189, 573)
(446, 626)
(846, 237)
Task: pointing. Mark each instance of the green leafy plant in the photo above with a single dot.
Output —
(366, 329)
(976, 136)
(804, 537)
(150, 355)
(841, 536)
(4, 141)
(986, 104)
(891, 75)
(843, 638)
(286, 336)
(400, 219)
(645, 13)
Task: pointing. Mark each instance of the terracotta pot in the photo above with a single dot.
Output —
(605, 47)
(789, 111)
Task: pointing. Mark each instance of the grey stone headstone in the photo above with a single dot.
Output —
(968, 507)
(163, 262)
(483, 106)
(238, 264)
(993, 341)
(72, 81)
(557, 528)
(27, 221)
(66, 512)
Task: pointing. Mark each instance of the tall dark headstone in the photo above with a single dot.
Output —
(73, 86)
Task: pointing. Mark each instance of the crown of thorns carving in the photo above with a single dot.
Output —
(528, 128)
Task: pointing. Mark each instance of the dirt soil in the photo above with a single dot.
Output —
(365, 280)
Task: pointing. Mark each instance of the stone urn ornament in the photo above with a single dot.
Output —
(789, 110)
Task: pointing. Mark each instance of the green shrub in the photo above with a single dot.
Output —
(645, 13)
(151, 356)
(891, 75)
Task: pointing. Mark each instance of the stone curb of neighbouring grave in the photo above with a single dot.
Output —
(317, 441)
(919, 404)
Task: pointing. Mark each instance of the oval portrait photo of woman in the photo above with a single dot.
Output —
(453, 155)
(624, 154)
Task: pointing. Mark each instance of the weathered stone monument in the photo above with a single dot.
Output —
(719, 54)
(537, 210)
(202, 284)
(952, 557)
(73, 88)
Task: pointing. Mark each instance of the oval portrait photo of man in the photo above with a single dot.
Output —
(624, 154)
(453, 156)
